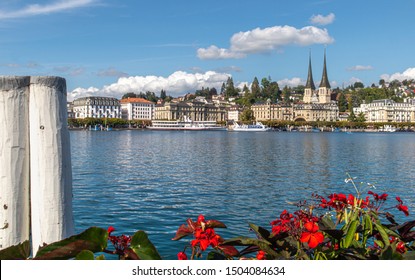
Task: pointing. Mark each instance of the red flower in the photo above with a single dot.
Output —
(261, 255)
(312, 236)
(400, 247)
(402, 207)
(378, 197)
(204, 238)
(282, 224)
(110, 229)
(182, 256)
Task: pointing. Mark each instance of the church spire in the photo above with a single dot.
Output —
(325, 80)
(310, 82)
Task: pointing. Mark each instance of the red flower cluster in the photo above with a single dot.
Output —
(204, 236)
(312, 236)
(302, 226)
(377, 197)
(340, 201)
(120, 243)
(283, 224)
(402, 207)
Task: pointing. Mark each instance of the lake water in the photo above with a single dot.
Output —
(155, 180)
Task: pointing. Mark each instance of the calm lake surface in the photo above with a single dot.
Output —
(155, 180)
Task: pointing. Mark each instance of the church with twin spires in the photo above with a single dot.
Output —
(317, 104)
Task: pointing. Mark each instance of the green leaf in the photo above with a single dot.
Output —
(85, 255)
(183, 231)
(367, 228)
(260, 231)
(383, 234)
(215, 224)
(215, 256)
(335, 233)
(245, 241)
(20, 251)
(350, 234)
(326, 223)
(93, 239)
(143, 247)
(410, 255)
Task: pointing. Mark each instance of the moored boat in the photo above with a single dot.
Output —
(186, 124)
(257, 127)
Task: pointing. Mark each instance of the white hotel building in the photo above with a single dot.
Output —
(96, 107)
(387, 110)
(137, 109)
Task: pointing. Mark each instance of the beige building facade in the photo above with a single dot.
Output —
(193, 110)
(387, 110)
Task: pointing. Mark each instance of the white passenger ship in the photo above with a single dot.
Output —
(186, 124)
(257, 127)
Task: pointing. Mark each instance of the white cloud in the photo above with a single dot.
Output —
(360, 68)
(408, 74)
(178, 83)
(213, 52)
(266, 40)
(322, 20)
(38, 9)
(290, 82)
(82, 92)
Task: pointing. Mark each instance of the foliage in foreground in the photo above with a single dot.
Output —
(340, 226)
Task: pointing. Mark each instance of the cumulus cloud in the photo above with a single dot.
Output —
(360, 68)
(290, 82)
(178, 83)
(322, 20)
(266, 40)
(408, 74)
(38, 9)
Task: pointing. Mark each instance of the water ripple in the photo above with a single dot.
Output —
(154, 181)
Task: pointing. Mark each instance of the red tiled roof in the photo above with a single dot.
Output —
(135, 100)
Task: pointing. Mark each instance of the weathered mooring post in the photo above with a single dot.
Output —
(14, 160)
(49, 159)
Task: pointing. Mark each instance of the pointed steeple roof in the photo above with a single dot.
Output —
(310, 82)
(325, 80)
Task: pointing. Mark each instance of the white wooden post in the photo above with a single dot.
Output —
(14, 160)
(50, 162)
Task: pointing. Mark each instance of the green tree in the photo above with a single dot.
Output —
(222, 89)
(163, 94)
(129, 94)
(342, 102)
(255, 88)
(247, 115)
(361, 117)
(230, 90)
(358, 85)
(286, 94)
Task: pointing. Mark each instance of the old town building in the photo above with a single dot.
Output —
(196, 110)
(387, 110)
(96, 107)
(137, 109)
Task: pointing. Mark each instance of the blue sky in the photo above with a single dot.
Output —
(110, 47)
